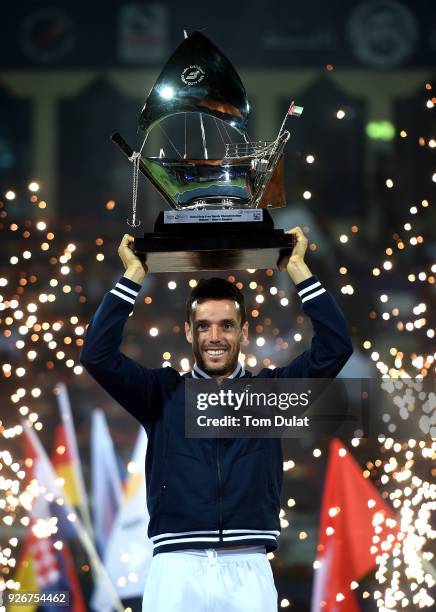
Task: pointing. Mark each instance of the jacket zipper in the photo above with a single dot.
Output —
(220, 498)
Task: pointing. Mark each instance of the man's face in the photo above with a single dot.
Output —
(216, 335)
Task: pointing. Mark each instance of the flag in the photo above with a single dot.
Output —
(347, 542)
(25, 575)
(107, 490)
(71, 449)
(37, 569)
(63, 465)
(129, 551)
(295, 110)
(49, 502)
(50, 496)
(43, 567)
(67, 564)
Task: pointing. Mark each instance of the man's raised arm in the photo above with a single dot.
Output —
(331, 344)
(127, 381)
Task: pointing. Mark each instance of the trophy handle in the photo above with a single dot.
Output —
(128, 152)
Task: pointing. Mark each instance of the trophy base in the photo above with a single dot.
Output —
(236, 245)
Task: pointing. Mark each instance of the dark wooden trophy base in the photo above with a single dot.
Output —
(186, 247)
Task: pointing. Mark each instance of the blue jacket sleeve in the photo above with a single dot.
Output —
(331, 344)
(132, 385)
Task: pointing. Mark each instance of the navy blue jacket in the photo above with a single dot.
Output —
(206, 493)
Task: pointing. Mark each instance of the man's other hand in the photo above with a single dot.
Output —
(135, 267)
(294, 263)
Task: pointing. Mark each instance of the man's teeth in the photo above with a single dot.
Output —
(215, 353)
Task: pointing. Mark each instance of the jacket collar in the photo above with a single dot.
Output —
(197, 372)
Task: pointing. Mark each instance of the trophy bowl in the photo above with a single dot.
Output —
(248, 176)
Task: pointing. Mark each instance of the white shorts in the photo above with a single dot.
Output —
(210, 581)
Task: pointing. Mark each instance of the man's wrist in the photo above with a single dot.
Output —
(135, 274)
(299, 272)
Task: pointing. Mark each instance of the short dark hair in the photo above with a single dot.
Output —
(216, 289)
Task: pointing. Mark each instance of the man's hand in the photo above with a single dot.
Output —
(294, 263)
(135, 268)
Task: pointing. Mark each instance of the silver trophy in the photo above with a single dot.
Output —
(218, 218)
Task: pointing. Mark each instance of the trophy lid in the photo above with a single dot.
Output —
(197, 78)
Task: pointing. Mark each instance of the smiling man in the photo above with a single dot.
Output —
(214, 504)
(216, 325)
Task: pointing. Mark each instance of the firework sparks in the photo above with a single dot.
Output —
(45, 269)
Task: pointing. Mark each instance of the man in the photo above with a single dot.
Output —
(214, 504)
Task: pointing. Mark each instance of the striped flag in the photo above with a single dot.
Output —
(50, 496)
(351, 508)
(63, 464)
(26, 576)
(77, 483)
(295, 110)
(42, 566)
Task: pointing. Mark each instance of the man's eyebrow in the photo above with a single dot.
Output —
(202, 321)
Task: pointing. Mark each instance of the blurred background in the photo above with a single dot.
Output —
(360, 177)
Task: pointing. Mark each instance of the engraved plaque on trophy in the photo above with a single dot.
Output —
(218, 217)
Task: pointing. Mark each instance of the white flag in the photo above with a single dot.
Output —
(129, 551)
(107, 492)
